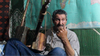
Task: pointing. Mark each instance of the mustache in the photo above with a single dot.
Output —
(59, 25)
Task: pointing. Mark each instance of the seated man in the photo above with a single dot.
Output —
(63, 42)
(61, 36)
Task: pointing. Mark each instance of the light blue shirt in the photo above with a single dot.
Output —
(1, 49)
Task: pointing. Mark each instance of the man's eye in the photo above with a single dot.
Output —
(56, 19)
(63, 19)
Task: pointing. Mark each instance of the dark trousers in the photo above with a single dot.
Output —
(16, 48)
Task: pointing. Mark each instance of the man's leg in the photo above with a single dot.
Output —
(57, 52)
(16, 48)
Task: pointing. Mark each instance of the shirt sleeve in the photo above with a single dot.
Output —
(74, 43)
(75, 53)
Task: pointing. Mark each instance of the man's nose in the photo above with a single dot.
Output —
(60, 22)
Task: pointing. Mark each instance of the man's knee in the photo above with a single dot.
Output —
(58, 51)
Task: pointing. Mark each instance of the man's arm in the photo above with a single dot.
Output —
(62, 34)
(69, 50)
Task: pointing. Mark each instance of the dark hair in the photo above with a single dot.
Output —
(59, 11)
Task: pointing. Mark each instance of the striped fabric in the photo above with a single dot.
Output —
(4, 19)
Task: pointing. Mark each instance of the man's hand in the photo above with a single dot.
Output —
(62, 33)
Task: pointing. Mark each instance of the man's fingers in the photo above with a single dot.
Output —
(60, 28)
(60, 31)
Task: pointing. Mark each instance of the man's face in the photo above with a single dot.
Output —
(60, 21)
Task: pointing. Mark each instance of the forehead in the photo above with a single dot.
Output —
(60, 16)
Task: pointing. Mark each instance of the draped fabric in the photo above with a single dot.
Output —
(33, 11)
(4, 19)
(80, 13)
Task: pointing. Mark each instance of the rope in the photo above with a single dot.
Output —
(51, 28)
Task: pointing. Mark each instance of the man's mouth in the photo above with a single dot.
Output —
(60, 26)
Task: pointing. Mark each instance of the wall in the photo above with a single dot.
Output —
(89, 42)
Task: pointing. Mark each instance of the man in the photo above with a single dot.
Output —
(63, 39)
(61, 36)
